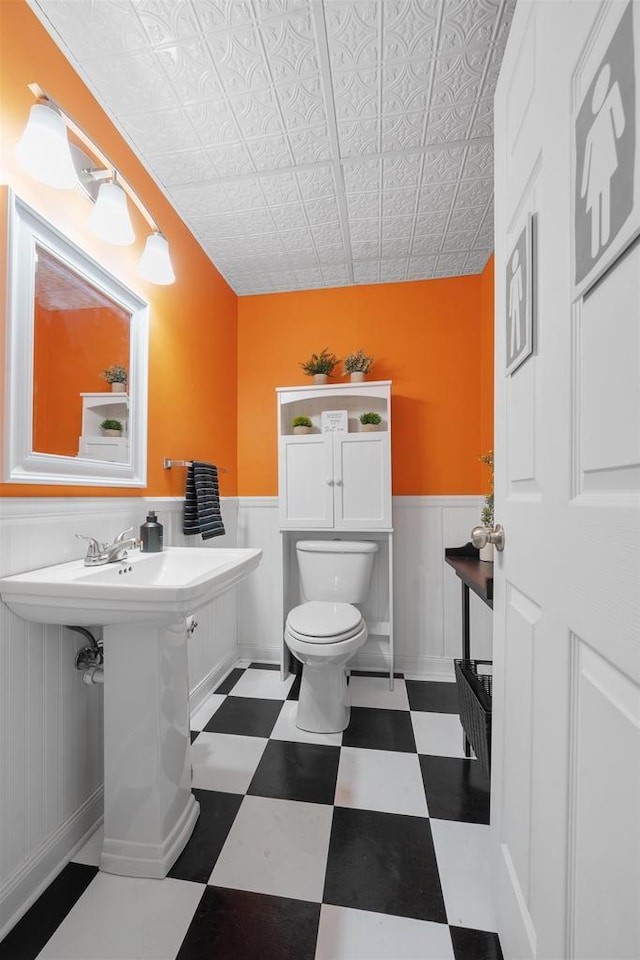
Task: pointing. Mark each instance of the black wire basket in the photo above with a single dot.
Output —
(474, 694)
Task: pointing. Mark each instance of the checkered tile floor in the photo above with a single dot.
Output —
(372, 844)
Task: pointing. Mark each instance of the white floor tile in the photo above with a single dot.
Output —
(347, 934)
(90, 852)
(439, 734)
(276, 847)
(374, 692)
(285, 728)
(464, 859)
(262, 683)
(380, 780)
(224, 761)
(119, 918)
(205, 711)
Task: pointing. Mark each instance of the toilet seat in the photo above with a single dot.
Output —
(323, 622)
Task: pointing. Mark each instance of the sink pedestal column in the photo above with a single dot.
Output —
(149, 810)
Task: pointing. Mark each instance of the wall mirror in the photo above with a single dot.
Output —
(69, 321)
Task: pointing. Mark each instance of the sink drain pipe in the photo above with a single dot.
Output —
(89, 659)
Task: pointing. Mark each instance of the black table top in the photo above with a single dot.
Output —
(475, 573)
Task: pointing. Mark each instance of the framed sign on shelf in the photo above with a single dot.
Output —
(335, 421)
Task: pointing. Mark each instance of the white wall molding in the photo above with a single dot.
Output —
(34, 875)
(428, 620)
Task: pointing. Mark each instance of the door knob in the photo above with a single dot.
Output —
(481, 536)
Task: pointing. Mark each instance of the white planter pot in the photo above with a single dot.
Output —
(118, 388)
(486, 553)
(320, 378)
(357, 376)
(302, 429)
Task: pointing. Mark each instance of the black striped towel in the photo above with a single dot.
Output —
(202, 502)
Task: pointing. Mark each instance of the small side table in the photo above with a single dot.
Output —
(476, 575)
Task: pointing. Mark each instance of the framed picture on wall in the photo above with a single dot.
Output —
(519, 298)
(606, 148)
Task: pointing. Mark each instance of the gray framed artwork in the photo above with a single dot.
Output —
(519, 298)
(606, 189)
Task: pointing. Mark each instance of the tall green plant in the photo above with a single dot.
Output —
(487, 510)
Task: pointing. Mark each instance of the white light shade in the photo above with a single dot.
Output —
(109, 218)
(155, 263)
(43, 149)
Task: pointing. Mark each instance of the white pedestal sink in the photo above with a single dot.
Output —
(142, 603)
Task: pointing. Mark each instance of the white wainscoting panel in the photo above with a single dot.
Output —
(427, 594)
(51, 735)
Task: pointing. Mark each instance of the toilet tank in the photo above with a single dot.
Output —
(338, 570)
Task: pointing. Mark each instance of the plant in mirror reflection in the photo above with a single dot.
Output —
(115, 374)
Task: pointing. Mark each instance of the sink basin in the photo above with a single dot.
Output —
(142, 604)
(158, 588)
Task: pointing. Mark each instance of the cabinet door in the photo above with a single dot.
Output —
(306, 482)
(362, 480)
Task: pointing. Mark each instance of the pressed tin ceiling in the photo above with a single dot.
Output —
(306, 143)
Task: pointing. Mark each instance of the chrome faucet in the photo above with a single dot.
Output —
(100, 553)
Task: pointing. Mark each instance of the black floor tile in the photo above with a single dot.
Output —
(376, 729)
(384, 862)
(432, 696)
(193, 734)
(264, 666)
(456, 789)
(297, 771)
(294, 692)
(217, 813)
(245, 716)
(40, 922)
(230, 681)
(251, 926)
(475, 944)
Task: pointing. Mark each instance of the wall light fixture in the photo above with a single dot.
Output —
(47, 153)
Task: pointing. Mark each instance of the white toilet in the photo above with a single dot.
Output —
(325, 632)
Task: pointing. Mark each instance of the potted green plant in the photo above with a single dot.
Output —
(117, 376)
(111, 428)
(357, 365)
(320, 365)
(486, 517)
(301, 425)
(370, 420)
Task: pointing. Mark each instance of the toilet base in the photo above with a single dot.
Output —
(323, 705)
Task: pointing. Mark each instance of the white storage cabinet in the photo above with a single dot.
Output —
(336, 481)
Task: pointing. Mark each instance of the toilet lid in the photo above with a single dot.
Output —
(324, 621)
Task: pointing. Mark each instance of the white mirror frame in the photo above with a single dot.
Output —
(21, 463)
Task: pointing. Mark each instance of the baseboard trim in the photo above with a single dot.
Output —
(24, 886)
(255, 651)
(433, 668)
(207, 685)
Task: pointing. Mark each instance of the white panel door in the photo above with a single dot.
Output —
(362, 478)
(566, 751)
(306, 482)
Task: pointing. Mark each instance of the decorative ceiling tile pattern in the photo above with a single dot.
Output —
(306, 143)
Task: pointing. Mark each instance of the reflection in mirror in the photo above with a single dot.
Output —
(78, 333)
(71, 325)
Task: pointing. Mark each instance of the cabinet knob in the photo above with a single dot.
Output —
(338, 483)
(330, 481)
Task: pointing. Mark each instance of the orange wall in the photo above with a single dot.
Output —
(193, 336)
(486, 356)
(427, 338)
(71, 348)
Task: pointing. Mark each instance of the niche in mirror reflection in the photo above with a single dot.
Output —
(79, 332)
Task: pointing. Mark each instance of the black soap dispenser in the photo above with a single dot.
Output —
(151, 534)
